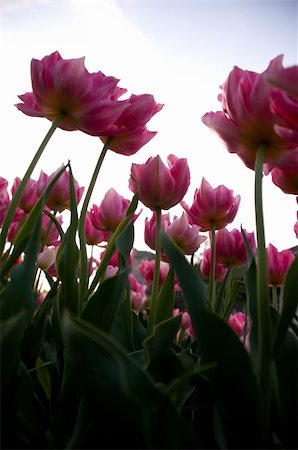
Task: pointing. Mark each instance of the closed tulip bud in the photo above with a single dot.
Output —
(59, 196)
(29, 196)
(160, 187)
(278, 264)
(46, 258)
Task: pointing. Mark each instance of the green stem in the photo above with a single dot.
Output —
(212, 286)
(81, 225)
(274, 297)
(20, 189)
(155, 286)
(263, 300)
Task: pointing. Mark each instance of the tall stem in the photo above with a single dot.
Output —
(263, 300)
(81, 225)
(20, 189)
(212, 287)
(155, 286)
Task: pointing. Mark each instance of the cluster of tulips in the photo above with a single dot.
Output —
(70, 303)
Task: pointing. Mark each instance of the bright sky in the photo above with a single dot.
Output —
(178, 50)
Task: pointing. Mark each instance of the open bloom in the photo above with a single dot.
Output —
(212, 207)
(247, 119)
(129, 131)
(59, 196)
(160, 187)
(110, 212)
(88, 100)
(284, 101)
(230, 248)
(278, 264)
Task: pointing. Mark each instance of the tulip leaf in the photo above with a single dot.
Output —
(68, 258)
(219, 344)
(124, 392)
(11, 333)
(166, 299)
(18, 293)
(43, 377)
(103, 306)
(289, 303)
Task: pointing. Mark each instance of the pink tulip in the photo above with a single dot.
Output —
(160, 187)
(230, 247)
(29, 196)
(4, 199)
(112, 210)
(247, 119)
(89, 100)
(59, 197)
(146, 269)
(150, 228)
(184, 235)
(138, 295)
(93, 235)
(49, 232)
(296, 227)
(205, 266)
(286, 178)
(212, 207)
(285, 102)
(129, 131)
(278, 264)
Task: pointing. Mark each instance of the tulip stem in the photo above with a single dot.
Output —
(21, 187)
(155, 286)
(263, 300)
(212, 287)
(81, 225)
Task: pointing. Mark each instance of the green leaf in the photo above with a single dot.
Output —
(18, 294)
(11, 333)
(289, 303)
(166, 298)
(233, 378)
(113, 383)
(103, 306)
(157, 345)
(68, 258)
(43, 377)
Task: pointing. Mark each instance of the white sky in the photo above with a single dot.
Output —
(179, 51)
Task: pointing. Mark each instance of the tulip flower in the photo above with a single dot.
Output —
(230, 247)
(4, 198)
(46, 258)
(247, 120)
(129, 131)
(284, 102)
(286, 177)
(205, 267)
(93, 235)
(29, 196)
(59, 197)
(111, 211)
(160, 187)
(146, 269)
(238, 322)
(184, 235)
(138, 296)
(278, 264)
(212, 207)
(150, 228)
(88, 100)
